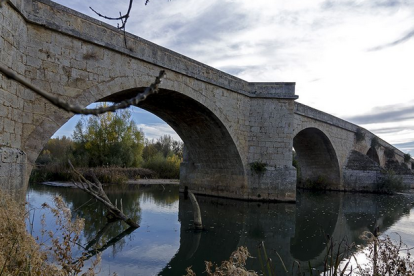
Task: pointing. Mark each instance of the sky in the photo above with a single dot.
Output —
(353, 59)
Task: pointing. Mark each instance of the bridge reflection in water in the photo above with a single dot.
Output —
(294, 231)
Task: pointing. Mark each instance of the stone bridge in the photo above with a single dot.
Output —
(238, 135)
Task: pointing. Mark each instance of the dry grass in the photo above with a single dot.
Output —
(21, 254)
(235, 266)
(107, 175)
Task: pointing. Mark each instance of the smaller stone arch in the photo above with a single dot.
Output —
(373, 155)
(318, 165)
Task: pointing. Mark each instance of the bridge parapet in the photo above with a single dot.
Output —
(283, 90)
(67, 21)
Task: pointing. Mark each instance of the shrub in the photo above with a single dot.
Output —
(389, 153)
(389, 183)
(234, 266)
(407, 157)
(318, 183)
(164, 167)
(375, 143)
(359, 135)
(49, 173)
(21, 255)
(258, 167)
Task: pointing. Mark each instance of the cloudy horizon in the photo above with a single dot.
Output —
(350, 58)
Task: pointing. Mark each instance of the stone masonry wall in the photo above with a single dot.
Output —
(342, 136)
(82, 60)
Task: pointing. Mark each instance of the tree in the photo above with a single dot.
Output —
(57, 151)
(110, 139)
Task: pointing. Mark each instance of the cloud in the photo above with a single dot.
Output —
(409, 146)
(155, 131)
(383, 114)
(321, 45)
(403, 39)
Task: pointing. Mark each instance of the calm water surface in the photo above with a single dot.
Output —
(165, 243)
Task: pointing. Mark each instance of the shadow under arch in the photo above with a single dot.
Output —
(317, 160)
(373, 155)
(211, 160)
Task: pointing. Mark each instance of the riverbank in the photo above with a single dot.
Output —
(66, 184)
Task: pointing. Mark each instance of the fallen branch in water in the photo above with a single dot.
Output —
(198, 224)
(96, 190)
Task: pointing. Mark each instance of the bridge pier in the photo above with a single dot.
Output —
(13, 171)
(269, 140)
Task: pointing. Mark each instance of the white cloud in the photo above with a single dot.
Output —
(155, 131)
(302, 41)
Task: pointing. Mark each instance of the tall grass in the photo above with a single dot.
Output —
(107, 175)
(384, 257)
(21, 254)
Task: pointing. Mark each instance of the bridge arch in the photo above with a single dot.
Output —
(373, 155)
(212, 151)
(317, 160)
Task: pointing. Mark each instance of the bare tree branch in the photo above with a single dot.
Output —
(122, 18)
(153, 88)
(96, 190)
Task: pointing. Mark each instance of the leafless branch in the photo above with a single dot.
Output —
(122, 18)
(96, 190)
(153, 88)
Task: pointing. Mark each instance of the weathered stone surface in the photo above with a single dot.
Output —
(225, 122)
(13, 170)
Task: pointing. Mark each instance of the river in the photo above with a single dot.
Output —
(165, 243)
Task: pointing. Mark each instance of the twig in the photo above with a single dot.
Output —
(152, 89)
(96, 190)
(122, 18)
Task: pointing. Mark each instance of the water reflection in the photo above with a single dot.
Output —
(295, 232)
(165, 244)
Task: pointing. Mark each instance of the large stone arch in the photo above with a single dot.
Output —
(211, 157)
(213, 161)
(317, 160)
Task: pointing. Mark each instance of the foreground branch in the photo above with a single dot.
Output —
(96, 190)
(152, 89)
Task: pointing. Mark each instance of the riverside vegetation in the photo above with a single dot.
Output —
(51, 254)
(113, 147)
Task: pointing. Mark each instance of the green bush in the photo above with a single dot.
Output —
(258, 167)
(389, 153)
(168, 168)
(49, 173)
(407, 157)
(318, 183)
(359, 135)
(375, 143)
(390, 183)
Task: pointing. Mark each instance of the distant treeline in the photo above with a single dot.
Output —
(111, 140)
